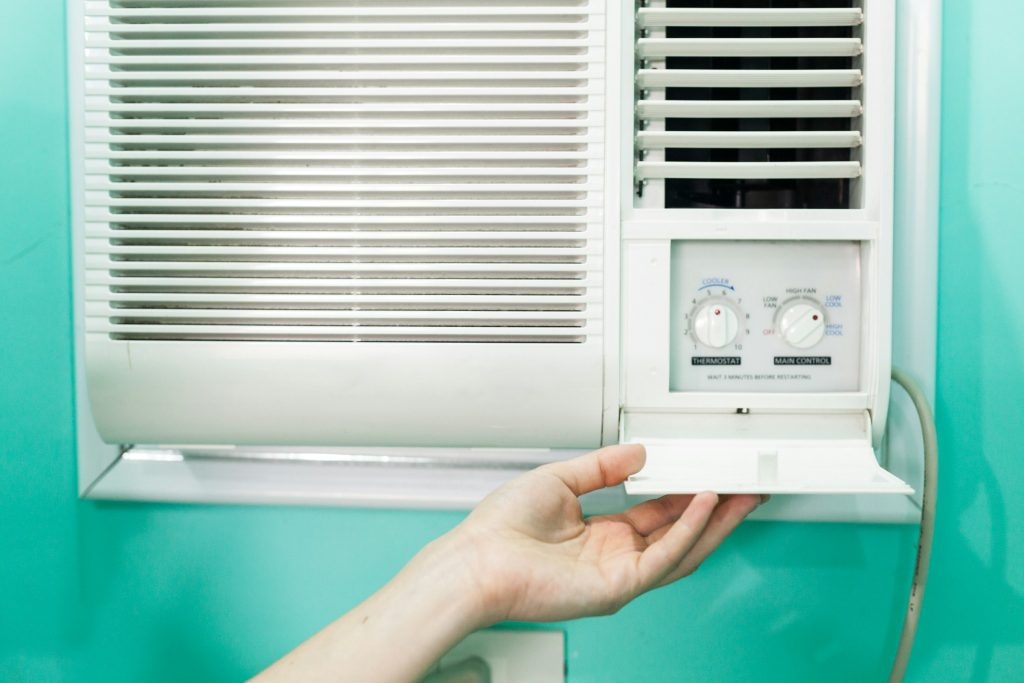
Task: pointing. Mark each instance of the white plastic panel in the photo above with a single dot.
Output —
(764, 453)
(763, 285)
(347, 394)
(344, 226)
(823, 467)
(511, 656)
(649, 347)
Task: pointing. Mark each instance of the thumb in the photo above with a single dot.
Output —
(609, 466)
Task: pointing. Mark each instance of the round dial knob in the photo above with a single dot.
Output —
(715, 324)
(802, 324)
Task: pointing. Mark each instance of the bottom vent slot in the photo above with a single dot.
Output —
(398, 338)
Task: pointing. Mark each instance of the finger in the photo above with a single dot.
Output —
(650, 515)
(723, 507)
(662, 556)
(598, 469)
(656, 534)
(723, 522)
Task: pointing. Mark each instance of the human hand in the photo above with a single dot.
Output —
(525, 553)
(534, 557)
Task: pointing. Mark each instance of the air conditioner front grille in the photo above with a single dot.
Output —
(752, 104)
(313, 170)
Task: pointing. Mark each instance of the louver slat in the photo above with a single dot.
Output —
(778, 78)
(737, 139)
(748, 47)
(742, 16)
(344, 30)
(291, 171)
(739, 170)
(728, 109)
(757, 106)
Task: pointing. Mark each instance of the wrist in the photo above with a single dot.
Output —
(482, 572)
(447, 572)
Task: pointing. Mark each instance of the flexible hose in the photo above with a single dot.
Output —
(924, 541)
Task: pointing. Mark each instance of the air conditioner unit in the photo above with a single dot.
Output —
(325, 246)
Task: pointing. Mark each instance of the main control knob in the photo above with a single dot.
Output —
(715, 324)
(802, 324)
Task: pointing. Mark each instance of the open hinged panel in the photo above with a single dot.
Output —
(760, 453)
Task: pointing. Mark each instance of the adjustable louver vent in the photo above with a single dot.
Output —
(350, 171)
(750, 104)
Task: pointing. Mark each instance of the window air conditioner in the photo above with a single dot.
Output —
(467, 236)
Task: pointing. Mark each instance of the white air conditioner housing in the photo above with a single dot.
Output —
(325, 247)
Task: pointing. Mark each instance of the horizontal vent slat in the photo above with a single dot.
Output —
(749, 140)
(272, 63)
(386, 302)
(369, 111)
(325, 189)
(568, 254)
(316, 11)
(430, 155)
(365, 29)
(343, 236)
(108, 89)
(653, 48)
(283, 125)
(376, 222)
(195, 78)
(749, 78)
(346, 269)
(377, 241)
(396, 46)
(304, 284)
(369, 318)
(402, 337)
(734, 109)
(565, 205)
(744, 16)
(353, 310)
(346, 174)
(753, 170)
(314, 329)
(284, 139)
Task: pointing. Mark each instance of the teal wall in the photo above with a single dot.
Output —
(126, 592)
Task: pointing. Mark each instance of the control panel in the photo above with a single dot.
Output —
(765, 316)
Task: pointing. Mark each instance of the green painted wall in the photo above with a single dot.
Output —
(123, 592)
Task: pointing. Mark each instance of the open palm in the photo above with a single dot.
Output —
(538, 559)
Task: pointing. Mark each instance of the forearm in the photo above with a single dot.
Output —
(395, 635)
(525, 554)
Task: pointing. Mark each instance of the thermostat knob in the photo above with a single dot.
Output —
(802, 324)
(715, 324)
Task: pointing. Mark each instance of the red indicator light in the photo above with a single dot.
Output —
(718, 311)
(815, 317)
